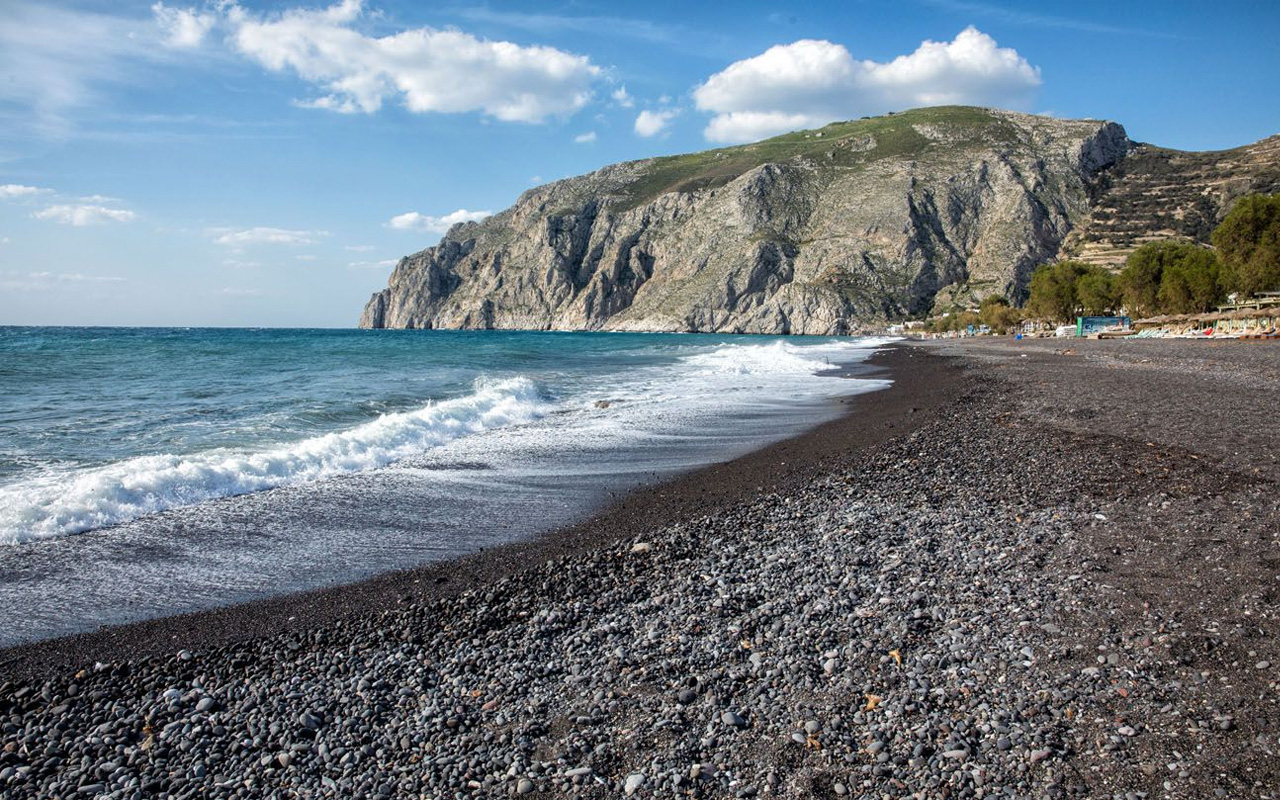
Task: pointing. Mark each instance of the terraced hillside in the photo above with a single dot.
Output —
(1155, 193)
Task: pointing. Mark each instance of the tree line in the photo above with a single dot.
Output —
(1170, 277)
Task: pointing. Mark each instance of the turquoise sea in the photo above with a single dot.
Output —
(151, 471)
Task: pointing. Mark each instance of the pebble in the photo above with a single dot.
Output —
(597, 672)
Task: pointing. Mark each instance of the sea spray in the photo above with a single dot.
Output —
(54, 504)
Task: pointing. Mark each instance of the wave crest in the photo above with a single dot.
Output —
(54, 505)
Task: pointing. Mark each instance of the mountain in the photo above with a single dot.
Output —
(815, 232)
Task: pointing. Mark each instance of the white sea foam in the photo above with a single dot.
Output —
(775, 358)
(695, 394)
(58, 504)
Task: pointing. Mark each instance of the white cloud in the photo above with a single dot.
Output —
(4, 239)
(261, 235)
(585, 138)
(74, 277)
(390, 262)
(183, 27)
(811, 82)
(651, 123)
(55, 59)
(413, 221)
(426, 69)
(45, 281)
(306, 257)
(82, 215)
(359, 248)
(239, 264)
(621, 97)
(10, 191)
(232, 291)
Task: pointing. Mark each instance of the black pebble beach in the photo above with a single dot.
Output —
(1037, 569)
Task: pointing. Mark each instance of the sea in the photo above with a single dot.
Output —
(146, 472)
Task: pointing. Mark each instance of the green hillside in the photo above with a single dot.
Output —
(840, 144)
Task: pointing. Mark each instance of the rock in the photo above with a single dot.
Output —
(635, 781)
(732, 719)
(524, 786)
(612, 249)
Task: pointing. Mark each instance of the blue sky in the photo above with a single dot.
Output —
(265, 163)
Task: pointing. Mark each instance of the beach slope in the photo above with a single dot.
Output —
(1029, 568)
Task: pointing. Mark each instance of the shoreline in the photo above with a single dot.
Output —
(1058, 580)
(867, 419)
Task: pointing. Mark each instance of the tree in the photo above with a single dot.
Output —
(996, 313)
(1053, 291)
(1170, 278)
(1139, 282)
(1096, 292)
(1248, 242)
(1190, 282)
(962, 321)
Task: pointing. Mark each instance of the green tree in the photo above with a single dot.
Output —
(1053, 291)
(1248, 241)
(996, 313)
(1139, 282)
(1096, 291)
(962, 321)
(1170, 278)
(1190, 282)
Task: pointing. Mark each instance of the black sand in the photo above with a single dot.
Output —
(1033, 569)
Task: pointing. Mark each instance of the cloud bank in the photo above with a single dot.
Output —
(263, 235)
(651, 123)
(424, 69)
(413, 221)
(10, 191)
(82, 215)
(812, 82)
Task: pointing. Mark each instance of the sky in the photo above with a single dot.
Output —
(265, 164)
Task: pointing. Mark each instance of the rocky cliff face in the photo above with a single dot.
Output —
(814, 232)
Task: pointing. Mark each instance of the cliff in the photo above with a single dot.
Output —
(812, 232)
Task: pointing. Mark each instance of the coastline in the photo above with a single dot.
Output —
(866, 419)
(1058, 580)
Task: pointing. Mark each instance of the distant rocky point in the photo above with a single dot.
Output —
(819, 232)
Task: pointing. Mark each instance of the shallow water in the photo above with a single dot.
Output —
(145, 472)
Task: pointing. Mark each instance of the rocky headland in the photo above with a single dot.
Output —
(818, 232)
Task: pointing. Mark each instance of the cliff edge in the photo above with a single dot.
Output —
(813, 232)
